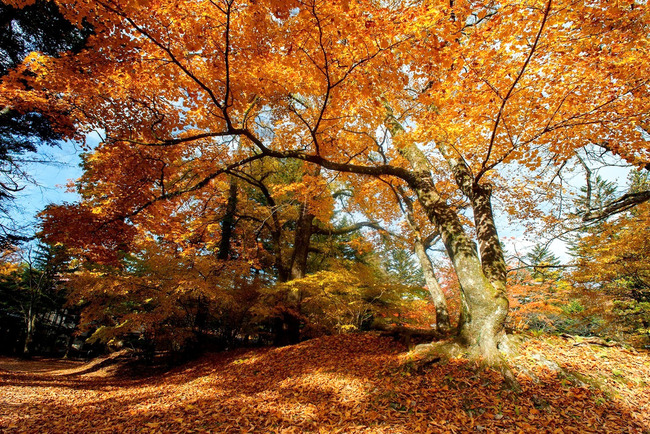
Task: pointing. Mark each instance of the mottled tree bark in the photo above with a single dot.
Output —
(492, 258)
(484, 306)
(480, 196)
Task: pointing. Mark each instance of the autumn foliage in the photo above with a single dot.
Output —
(264, 172)
(233, 128)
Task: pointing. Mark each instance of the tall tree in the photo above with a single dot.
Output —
(541, 262)
(610, 256)
(25, 122)
(452, 99)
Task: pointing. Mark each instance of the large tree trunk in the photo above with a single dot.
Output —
(491, 253)
(484, 307)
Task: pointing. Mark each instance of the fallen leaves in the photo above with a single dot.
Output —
(345, 383)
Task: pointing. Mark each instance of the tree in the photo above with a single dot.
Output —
(26, 123)
(164, 299)
(448, 99)
(610, 257)
(348, 296)
(293, 212)
(542, 262)
(32, 287)
(401, 263)
(173, 282)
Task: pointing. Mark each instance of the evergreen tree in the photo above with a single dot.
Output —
(542, 263)
(37, 27)
(32, 295)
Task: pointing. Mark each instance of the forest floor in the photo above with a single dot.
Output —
(347, 383)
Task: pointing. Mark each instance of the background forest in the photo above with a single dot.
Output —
(275, 171)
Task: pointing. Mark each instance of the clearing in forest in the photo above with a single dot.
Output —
(344, 383)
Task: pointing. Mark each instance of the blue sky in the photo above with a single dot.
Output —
(50, 179)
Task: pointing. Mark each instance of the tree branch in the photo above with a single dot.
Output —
(512, 88)
(347, 229)
(619, 205)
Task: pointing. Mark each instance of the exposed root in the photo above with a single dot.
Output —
(509, 344)
(409, 337)
(426, 354)
(508, 375)
(574, 377)
(593, 340)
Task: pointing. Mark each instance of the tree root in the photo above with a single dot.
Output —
(408, 336)
(427, 354)
(574, 377)
(591, 340)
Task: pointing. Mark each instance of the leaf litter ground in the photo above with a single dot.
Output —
(346, 383)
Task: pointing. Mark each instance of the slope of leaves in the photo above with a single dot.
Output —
(344, 383)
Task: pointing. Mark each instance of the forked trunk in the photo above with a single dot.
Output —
(484, 307)
(480, 196)
(491, 254)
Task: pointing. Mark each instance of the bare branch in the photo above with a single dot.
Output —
(512, 88)
(617, 206)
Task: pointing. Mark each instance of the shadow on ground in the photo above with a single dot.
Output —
(347, 383)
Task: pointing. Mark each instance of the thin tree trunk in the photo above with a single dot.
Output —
(30, 324)
(439, 301)
(276, 234)
(228, 222)
(275, 229)
(302, 237)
